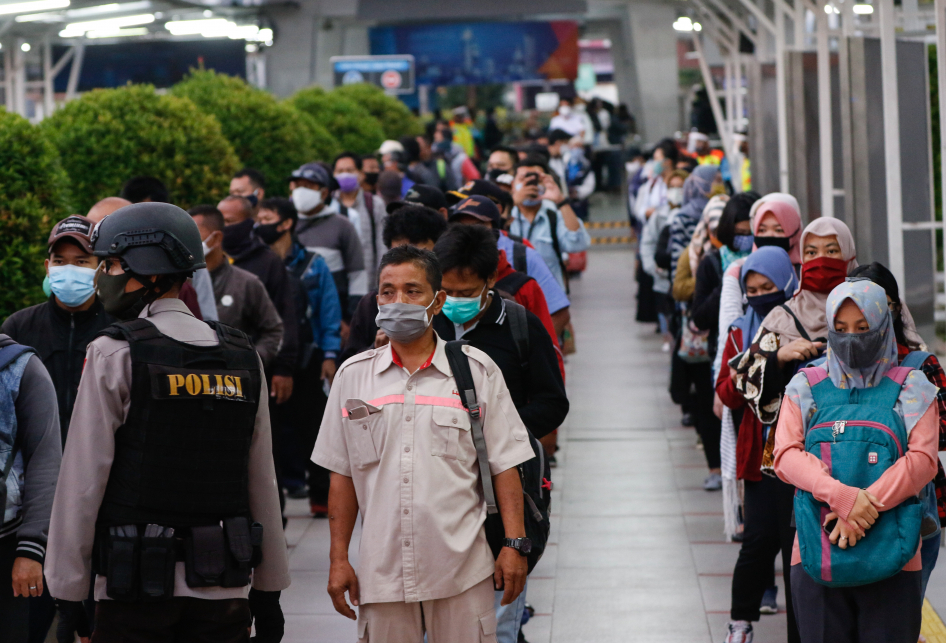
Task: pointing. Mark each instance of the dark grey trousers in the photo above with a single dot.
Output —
(889, 611)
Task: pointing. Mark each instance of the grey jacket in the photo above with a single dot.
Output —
(31, 483)
(242, 302)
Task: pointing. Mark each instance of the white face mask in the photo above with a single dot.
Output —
(564, 110)
(306, 199)
(675, 196)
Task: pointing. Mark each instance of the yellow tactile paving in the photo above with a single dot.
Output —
(934, 630)
(597, 241)
(602, 225)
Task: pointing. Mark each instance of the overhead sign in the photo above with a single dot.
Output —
(394, 74)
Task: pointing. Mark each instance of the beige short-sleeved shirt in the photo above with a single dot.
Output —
(415, 471)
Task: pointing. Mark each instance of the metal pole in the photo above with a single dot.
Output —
(798, 17)
(730, 67)
(19, 78)
(75, 71)
(825, 133)
(888, 69)
(940, 8)
(711, 91)
(781, 100)
(48, 103)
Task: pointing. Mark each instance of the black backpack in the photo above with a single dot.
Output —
(535, 474)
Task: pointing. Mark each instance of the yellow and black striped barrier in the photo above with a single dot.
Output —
(606, 225)
(604, 241)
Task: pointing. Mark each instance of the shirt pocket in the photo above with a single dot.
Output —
(448, 427)
(365, 438)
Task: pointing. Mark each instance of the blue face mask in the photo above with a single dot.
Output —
(46, 287)
(743, 242)
(460, 310)
(72, 285)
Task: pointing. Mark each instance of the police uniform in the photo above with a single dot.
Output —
(424, 562)
(170, 429)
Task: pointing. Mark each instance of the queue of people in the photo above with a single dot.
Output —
(396, 355)
(817, 404)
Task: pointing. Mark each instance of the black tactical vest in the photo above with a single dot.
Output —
(182, 455)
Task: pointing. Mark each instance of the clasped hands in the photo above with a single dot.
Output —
(846, 533)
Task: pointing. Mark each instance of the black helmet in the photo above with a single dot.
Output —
(150, 239)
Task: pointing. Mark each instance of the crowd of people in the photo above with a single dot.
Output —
(818, 406)
(384, 342)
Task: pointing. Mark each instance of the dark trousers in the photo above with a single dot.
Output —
(646, 299)
(42, 613)
(178, 620)
(889, 611)
(768, 530)
(707, 424)
(14, 612)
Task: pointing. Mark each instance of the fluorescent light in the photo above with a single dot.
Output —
(863, 9)
(35, 5)
(110, 23)
(697, 26)
(25, 47)
(830, 8)
(218, 28)
(118, 33)
(683, 23)
(193, 27)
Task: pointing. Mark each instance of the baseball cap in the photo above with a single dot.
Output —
(420, 194)
(313, 172)
(390, 146)
(478, 207)
(482, 188)
(75, 227)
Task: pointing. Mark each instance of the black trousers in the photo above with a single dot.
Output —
(707, 424)
(14, 612)
(178, 620)
(768, 530)
(889, 611)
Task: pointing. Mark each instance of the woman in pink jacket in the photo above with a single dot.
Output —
(862, 350)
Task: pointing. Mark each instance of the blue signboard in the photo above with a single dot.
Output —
(394, 74)
(483, 52)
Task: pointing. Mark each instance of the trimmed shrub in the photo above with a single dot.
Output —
(110, 135)
(352, 125)
(33, 198)
(273, 137)
(396, 119)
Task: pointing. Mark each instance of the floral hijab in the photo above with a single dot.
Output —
(700, 244)
(871, 299)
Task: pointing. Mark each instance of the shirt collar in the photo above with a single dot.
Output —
(169, 305)
(437, 359)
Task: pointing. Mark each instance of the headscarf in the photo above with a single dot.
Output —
(696, 191)
(700, 244)
(880, 275)
(774, 263)
(871, 299)
(809, 306)
(785, 209)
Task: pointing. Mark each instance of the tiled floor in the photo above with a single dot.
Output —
(637, 551)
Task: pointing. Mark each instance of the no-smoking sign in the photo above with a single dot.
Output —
(391, 79)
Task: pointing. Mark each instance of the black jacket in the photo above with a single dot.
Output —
(709, 285)
(539, 392)
(363, 330)
(257, 258)
(60, 339)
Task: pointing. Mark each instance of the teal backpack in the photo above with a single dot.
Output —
(858, 435)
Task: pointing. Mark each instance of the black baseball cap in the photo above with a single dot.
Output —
(75, 227)
(314, 172)
(420, 194)
(479, 187)
(478, 207)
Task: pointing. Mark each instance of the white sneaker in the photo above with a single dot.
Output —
(666, 347)
(739, 632)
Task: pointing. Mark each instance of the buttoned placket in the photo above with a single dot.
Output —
(407, 494)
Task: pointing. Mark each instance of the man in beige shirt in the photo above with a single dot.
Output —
(170, 428)
(398, 442)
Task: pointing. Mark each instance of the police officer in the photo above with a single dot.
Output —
(168, 493)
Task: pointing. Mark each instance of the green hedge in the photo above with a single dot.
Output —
(33, 197)
(396, 119)
(270, 136)
(110, 135)
(352, 125)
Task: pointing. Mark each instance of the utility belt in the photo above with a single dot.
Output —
(138, 561)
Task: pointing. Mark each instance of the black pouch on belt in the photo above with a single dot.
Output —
(205, 556)
(256, 539)
(158, 558)
(121, 575)
(239, 552)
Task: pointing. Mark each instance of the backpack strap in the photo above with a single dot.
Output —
(369, 206)
(519, 326)
(513, 282)
(519, 262)
(556, 246)
(798, 326)
(9, 354)
(916, 359)
(815, 375)
(460, 365)
(899, 374)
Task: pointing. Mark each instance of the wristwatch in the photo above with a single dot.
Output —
(561, 204)
(521, 545)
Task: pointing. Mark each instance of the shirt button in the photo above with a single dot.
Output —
(454, 420)
(407, 449)
(406, 512)
(364, 426)
(410, 387)
(405, 480)
(408, 418)
(407, 543)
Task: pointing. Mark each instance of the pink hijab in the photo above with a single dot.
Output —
(787, 214)
(809, 306)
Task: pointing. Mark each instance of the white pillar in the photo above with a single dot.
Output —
(781, 99)
(940, 8)
(825, 133)
(711, 91)
(888, 69)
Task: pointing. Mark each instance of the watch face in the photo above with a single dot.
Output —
(525, 545)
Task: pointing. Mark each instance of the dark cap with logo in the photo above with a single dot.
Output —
(75, 227)
(479, 207)
(482, 188)
(313, 172)
(420, 194)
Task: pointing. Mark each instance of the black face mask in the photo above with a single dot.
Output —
(268, 233)
(779, 242)
(371, 178)
(117, 302)
(252, 198)
(858, 350)
(236, 237)
(764, 304)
